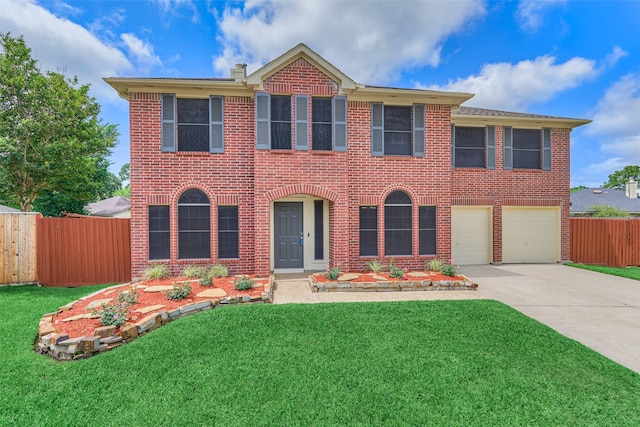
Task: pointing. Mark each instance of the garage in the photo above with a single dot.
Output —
(530, 234)
(471, 235)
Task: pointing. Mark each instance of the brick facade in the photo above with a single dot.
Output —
(253, 179)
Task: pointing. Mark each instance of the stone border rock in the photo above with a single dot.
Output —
(392, 286)
(59, 346)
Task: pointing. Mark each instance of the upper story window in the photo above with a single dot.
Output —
(192, 124)
(321, 124)
(280, 122)
(397, 130)
(527, 148)
(473, 147)
(274, 121)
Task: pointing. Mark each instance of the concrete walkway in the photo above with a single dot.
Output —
(598, 310)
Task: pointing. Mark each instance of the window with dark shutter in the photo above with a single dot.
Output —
(158, 218)
(398, 224)
(427, 230)
(397, 131)
(280, 122)
(193, 124)
(368, 230)
(228, 235)
(194, 227)
(321, 113)
(469, 143)
(526, 149)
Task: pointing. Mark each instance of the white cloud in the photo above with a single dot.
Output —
(61, 45)
(508, 86)
(370, 41)
(530, 13)
(142, 51)
(595, 174)
(174, 8)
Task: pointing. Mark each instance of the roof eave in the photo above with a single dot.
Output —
(556, 122)
(183, 87)
(408, 96)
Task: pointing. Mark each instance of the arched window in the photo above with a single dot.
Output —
(194, 220)
(397, 224)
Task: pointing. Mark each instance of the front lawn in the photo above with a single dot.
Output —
(628, 272)
(447, 363)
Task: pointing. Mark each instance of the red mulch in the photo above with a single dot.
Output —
(368, 277)
(85, 327)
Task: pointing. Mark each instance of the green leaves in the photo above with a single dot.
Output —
(618, 179)
(52, 138)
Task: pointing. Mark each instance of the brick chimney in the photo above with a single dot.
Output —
(239, 72)
(631, 190)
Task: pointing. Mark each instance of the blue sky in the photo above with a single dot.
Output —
(576, 59)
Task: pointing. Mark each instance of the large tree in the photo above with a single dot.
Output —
(50, 136)
(619, 178)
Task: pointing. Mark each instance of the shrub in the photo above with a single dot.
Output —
(606, 211)
(397, 272)
(375, 266)
(219, 270)
(116, 313)
(156, 271)
(448, 269)
(243, 283)
(206, 281)
(332, 273)
(434, 265)
(180, 291)
(193, 271)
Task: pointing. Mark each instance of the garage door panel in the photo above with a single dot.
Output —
(471, 235)
(530, 235)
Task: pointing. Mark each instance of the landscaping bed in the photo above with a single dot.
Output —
(75, 331)
(384, 282)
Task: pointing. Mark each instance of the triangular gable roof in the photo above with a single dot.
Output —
(301, 51)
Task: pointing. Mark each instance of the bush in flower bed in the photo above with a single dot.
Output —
(179, 291)
(116, 313)
(243, 283)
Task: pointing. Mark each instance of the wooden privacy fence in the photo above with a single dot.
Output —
(613, 242)
(83, 251)
(18, 246)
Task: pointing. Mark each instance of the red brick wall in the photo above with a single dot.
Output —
(253, 179)
(518, 187)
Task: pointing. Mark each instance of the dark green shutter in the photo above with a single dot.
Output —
(263, 121)
(507, 138)
(453, 146)
(302, 122)
(168, 122)
(216, 133)
(546, 149)
(377, 129)
(418, 130)
(490, 139)
(340, 123)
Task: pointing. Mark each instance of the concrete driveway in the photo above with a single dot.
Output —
(597, 310)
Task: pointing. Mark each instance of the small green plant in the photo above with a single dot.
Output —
(333, 273)
(606, 211)
(434, 265)
(206, 281)
(219, 270)
(375, 266)
(397, 272)
(116, 313)
(448, 269)
(180, 291)
(156, 271)
(193, 272)
(243, 283)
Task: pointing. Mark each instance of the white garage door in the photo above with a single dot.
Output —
(530, 234)
(471, 235)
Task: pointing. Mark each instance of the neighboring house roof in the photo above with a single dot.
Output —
(7, 209)
(583, 201)
(109, 207)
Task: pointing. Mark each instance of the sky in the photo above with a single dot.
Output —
(578, 59)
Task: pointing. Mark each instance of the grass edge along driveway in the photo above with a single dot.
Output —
(628, 272)
(395, 363)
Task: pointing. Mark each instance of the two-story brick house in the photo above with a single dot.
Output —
(296, 166)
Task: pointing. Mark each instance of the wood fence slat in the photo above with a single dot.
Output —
(614, 242)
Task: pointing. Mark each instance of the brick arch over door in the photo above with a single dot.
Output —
(313, 190)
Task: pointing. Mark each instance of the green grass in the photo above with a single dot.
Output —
(406, 363)
(628, 272)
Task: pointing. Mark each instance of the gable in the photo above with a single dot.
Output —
(300, 76)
